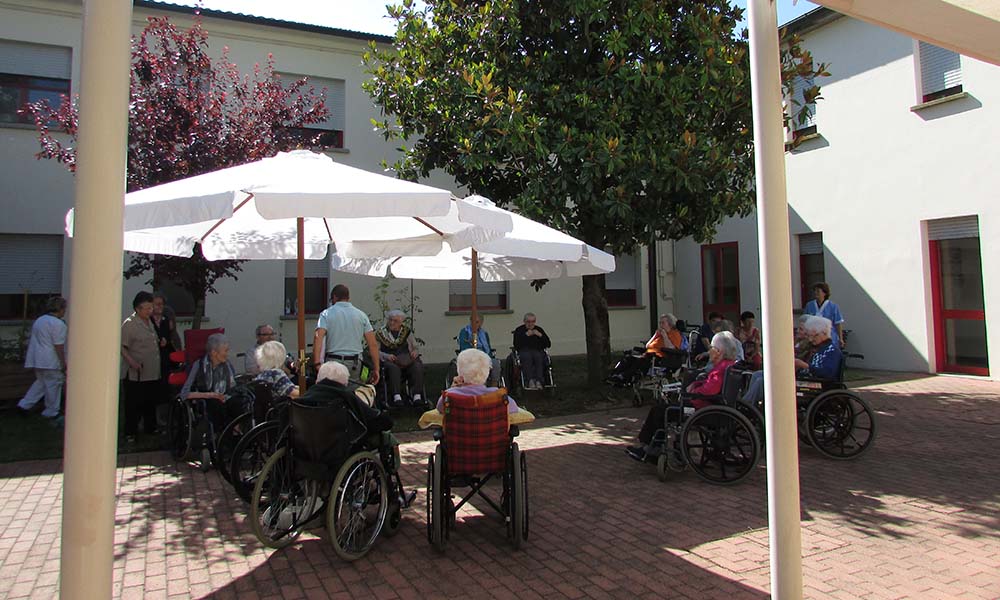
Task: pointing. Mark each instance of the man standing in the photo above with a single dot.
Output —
(340, 333)
(398, 351)
(530, 341)
(47, 356)
(264, 333)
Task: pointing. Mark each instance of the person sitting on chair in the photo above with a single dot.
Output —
(263, 333)
(211, 378)
(722, 353)
(271, 359)
(666, 337)
(705, 333)
(823, 364)
(398, 351)
(530, 342)
(473, 369)
(332, 387)
(481, 342)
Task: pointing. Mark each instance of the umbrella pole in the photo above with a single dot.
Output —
(475, 299)
(300, 291)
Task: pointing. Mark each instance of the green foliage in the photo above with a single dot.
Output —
(402, 298)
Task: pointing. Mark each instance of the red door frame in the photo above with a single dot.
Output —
(727, 309)
(940, 314)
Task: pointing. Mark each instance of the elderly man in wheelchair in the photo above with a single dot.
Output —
(337, 461)
(476, 445)
(529, 364)
(837, 422)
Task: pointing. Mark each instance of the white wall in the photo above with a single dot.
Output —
(877, 172)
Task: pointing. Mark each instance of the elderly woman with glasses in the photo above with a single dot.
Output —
(722, 354)
(211, 378)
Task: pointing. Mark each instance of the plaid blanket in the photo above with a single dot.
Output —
(476, 433)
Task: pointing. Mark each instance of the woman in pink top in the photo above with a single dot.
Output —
(722, 355)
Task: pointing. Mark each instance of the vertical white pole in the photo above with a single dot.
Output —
(776, 295)
(95, 297)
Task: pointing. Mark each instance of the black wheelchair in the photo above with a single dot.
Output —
(407, 391)
(191, 435)
(499, 380)
(514, 377)
(327, 466)
(475, 446)
(835, 421)
(259, 431)
(719, 441)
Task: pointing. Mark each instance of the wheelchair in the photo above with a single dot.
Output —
(835, 421)
(476, 445)
(407, 392)
(514, 376)
(328, 467)
(192, 435)
(253, 438)
(452, 373)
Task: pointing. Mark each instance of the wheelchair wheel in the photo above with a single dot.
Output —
(527, 503)
(511, 374)
(249, 456)
(516, 502)
(720, 444)
(662, 470)
(179, 430)
(840, 424)
(226, 446)
(435, 500)
(359, 500)
(451, 374)
(282, 503)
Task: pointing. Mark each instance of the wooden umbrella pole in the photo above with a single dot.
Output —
(300, 290)
(475, 298)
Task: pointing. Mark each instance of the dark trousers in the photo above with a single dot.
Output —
(532, 364)
(140, 405)
(414, 374)
(631, 366)
(654, 421)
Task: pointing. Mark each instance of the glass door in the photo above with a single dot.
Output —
(959, 308)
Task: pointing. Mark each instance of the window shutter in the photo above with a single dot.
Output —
(940, 69)
(464, 287)
(626, 273)
(799, 86)
(811, 243)
(31, 263)
(313, 269)
(953, 228)
(35, 60)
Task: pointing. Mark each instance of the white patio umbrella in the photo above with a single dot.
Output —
(251, 212)
(530, 250)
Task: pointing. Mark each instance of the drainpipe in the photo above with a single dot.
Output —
(783, 514)
(653, 276)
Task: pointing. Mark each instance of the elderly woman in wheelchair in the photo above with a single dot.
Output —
(666, 340)
(337, 461)
(476, 445)
(703, 427)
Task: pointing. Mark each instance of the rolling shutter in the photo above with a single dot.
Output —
(626, 273)
(940, 69)
(483, 288)
(811, 243)
(313, 269)
(953, 228)
(35, 60)
(799, 86)
(31, 263)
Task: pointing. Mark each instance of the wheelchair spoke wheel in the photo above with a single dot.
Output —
(524, 487)
(282, 503)
(720, 445)
(515, 504)
(228, 439)
(249, 456)
(358, 505)
(840, 425)
(435, 500)
(179, 433)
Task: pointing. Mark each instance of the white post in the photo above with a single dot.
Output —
(776, 296)
(95, 297)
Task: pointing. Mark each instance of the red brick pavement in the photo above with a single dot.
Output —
(915, 518)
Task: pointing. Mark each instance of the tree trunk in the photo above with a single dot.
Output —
(199, 311)
(598, 330)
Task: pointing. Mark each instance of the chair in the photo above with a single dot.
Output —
(475, 446)
(514, 376)
(832, 419)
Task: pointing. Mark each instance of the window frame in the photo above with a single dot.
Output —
(480, 306)
(922, 95)
(634, 301)
(23, 85)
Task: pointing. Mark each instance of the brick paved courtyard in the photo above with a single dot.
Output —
(918, 517)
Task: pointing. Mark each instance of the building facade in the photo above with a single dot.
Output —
(39, 58)
(893, 200)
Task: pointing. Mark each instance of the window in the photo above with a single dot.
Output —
(30, 273)
(720, 280)
(178, 298)
(331, 131)
(489, 296)
(802, 124)
(622, 286)
(811, 268)
(31, 72)
(317, 275)
(940, 72)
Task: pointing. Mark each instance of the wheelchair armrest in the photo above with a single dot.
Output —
(514, 431)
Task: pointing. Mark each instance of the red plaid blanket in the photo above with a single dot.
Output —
(476, 432)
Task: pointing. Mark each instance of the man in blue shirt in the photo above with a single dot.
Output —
(482, 343)
(341, 332)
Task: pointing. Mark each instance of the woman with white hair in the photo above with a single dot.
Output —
(271, 360)
(211, 378)
(666, 338)
(823, 364)
(722, 353)
(473, 370)
(332, 389)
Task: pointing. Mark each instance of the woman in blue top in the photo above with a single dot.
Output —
(822, 306)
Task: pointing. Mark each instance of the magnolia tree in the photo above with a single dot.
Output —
(187, 116)
(621, 122)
